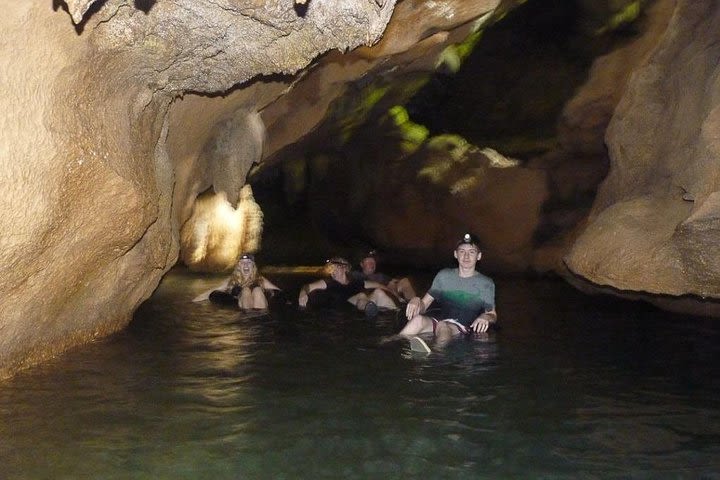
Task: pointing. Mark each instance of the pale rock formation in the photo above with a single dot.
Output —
(78, 8)
(112, 128)
(654, 225)
(216, 226)
(402, 50)
(382, 196)
(290, 107)
(484, 193)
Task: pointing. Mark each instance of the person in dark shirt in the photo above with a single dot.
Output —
(401, 289)
(341, 287)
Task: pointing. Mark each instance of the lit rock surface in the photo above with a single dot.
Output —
(215, 226)
(481, 191)
(655, 223)
(415, 204)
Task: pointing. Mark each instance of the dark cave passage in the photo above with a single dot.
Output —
(348, 190)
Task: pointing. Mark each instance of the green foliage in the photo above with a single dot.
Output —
(626, 15)
(354, 116)
(413, 134)
(455, 145)
(455, 54)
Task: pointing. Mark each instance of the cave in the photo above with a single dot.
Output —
(148, 144)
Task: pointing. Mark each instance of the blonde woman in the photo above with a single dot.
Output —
(245, 288)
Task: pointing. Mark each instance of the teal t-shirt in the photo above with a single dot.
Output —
(463, 299)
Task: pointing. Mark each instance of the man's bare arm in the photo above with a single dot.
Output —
(310, 287)
(418, 306)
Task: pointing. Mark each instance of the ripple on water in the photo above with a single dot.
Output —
(570, 388)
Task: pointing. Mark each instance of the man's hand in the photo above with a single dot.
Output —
(482, 323)
(414, 307)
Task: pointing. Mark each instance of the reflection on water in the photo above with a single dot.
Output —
(572, 387)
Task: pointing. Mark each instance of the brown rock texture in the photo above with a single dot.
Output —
(528, 215)
(580, 162)
(654, 225)
(215, 226)
(418, 204)
(91, 155)
(117, 115)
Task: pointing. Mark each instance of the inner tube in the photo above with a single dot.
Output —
(221, 297)
(322, 299)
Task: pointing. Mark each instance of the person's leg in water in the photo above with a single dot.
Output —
(415, 326)
(359, 300)
(363, 303)
(446, 332)
(370, 304)
(383, 300)
(259, 300)
(252, 299)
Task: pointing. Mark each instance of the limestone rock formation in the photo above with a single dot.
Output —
(217, 233)
(118, 114)
(91, 157)
(537, 209)
(654, 225)
(417, 203)
(580, 161)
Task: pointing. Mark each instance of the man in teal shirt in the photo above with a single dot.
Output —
(466, 299)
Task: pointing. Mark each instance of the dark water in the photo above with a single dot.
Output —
(572, 387)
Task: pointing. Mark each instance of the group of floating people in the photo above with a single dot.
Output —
(460, 301)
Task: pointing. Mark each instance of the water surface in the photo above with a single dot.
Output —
(571, 387)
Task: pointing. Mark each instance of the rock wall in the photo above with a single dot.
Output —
(395, 186)
(580, 162)
(654, 225)
(90, 155)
